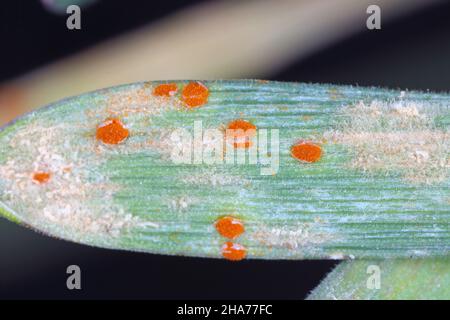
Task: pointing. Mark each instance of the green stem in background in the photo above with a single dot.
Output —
(401, 279)
(349, 172)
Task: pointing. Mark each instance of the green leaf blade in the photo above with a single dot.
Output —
(133, 196)
(398, 279)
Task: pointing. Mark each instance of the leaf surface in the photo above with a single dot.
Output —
(379, 189)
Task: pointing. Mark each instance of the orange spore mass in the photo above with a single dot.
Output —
(41, 177)
(239, 135)
(194, 94)
(165, 90)
(229, 227)
(241, 124)
(306, 151)
(112, 132)
(233, 251)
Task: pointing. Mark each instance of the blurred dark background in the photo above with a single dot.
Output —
(409, 52)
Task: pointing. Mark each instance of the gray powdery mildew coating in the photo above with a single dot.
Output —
(396, 137)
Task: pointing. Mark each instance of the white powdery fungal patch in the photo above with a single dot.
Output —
(66, 203)
(294, 237)
(398, 137)
(215, 178)
(137, 100)
(182, 145)
(337, 255)
(162, 142)
(181, 203)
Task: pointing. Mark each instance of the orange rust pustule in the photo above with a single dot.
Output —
(241, 124)
(229, 227)
(241, 132)
(233, 251)
(194, 94)
(41, 177)
(112, 132)
(165, 90)
(306, 152)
